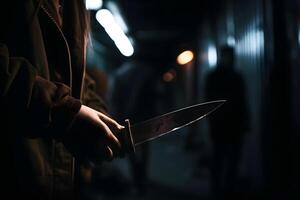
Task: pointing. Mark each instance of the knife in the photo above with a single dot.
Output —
(151, 129)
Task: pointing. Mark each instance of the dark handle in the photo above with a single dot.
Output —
(126, 139)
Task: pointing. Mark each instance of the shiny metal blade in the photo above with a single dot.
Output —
(163, 124)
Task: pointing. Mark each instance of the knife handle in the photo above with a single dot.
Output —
(127, 140)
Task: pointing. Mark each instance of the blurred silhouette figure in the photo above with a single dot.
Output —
(133, 95)
(228, 125)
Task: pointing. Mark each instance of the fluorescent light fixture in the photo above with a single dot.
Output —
(212, 56)
(108, 22)
(113, 7)
(93, 4)
(185, 57)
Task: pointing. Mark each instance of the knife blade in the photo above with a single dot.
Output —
(151, 129)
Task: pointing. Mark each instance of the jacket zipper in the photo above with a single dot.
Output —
(65, 40)
(83, 74)
(70, 69)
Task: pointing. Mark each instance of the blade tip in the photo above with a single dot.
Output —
(221, 102)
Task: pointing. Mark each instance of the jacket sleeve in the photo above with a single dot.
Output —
(32, 105)
(91, 97)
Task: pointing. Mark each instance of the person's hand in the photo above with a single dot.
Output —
(93, 136)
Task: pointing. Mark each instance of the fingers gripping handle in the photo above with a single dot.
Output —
(127, 140)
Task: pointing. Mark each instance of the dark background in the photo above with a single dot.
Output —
(266, 38)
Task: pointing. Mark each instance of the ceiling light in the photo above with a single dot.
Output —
(185, 57)
(93, 4)
(108, 22)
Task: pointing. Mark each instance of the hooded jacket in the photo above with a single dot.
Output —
(41, 85)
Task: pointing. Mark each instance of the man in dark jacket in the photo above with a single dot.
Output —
(227, 127)
(45, 123)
